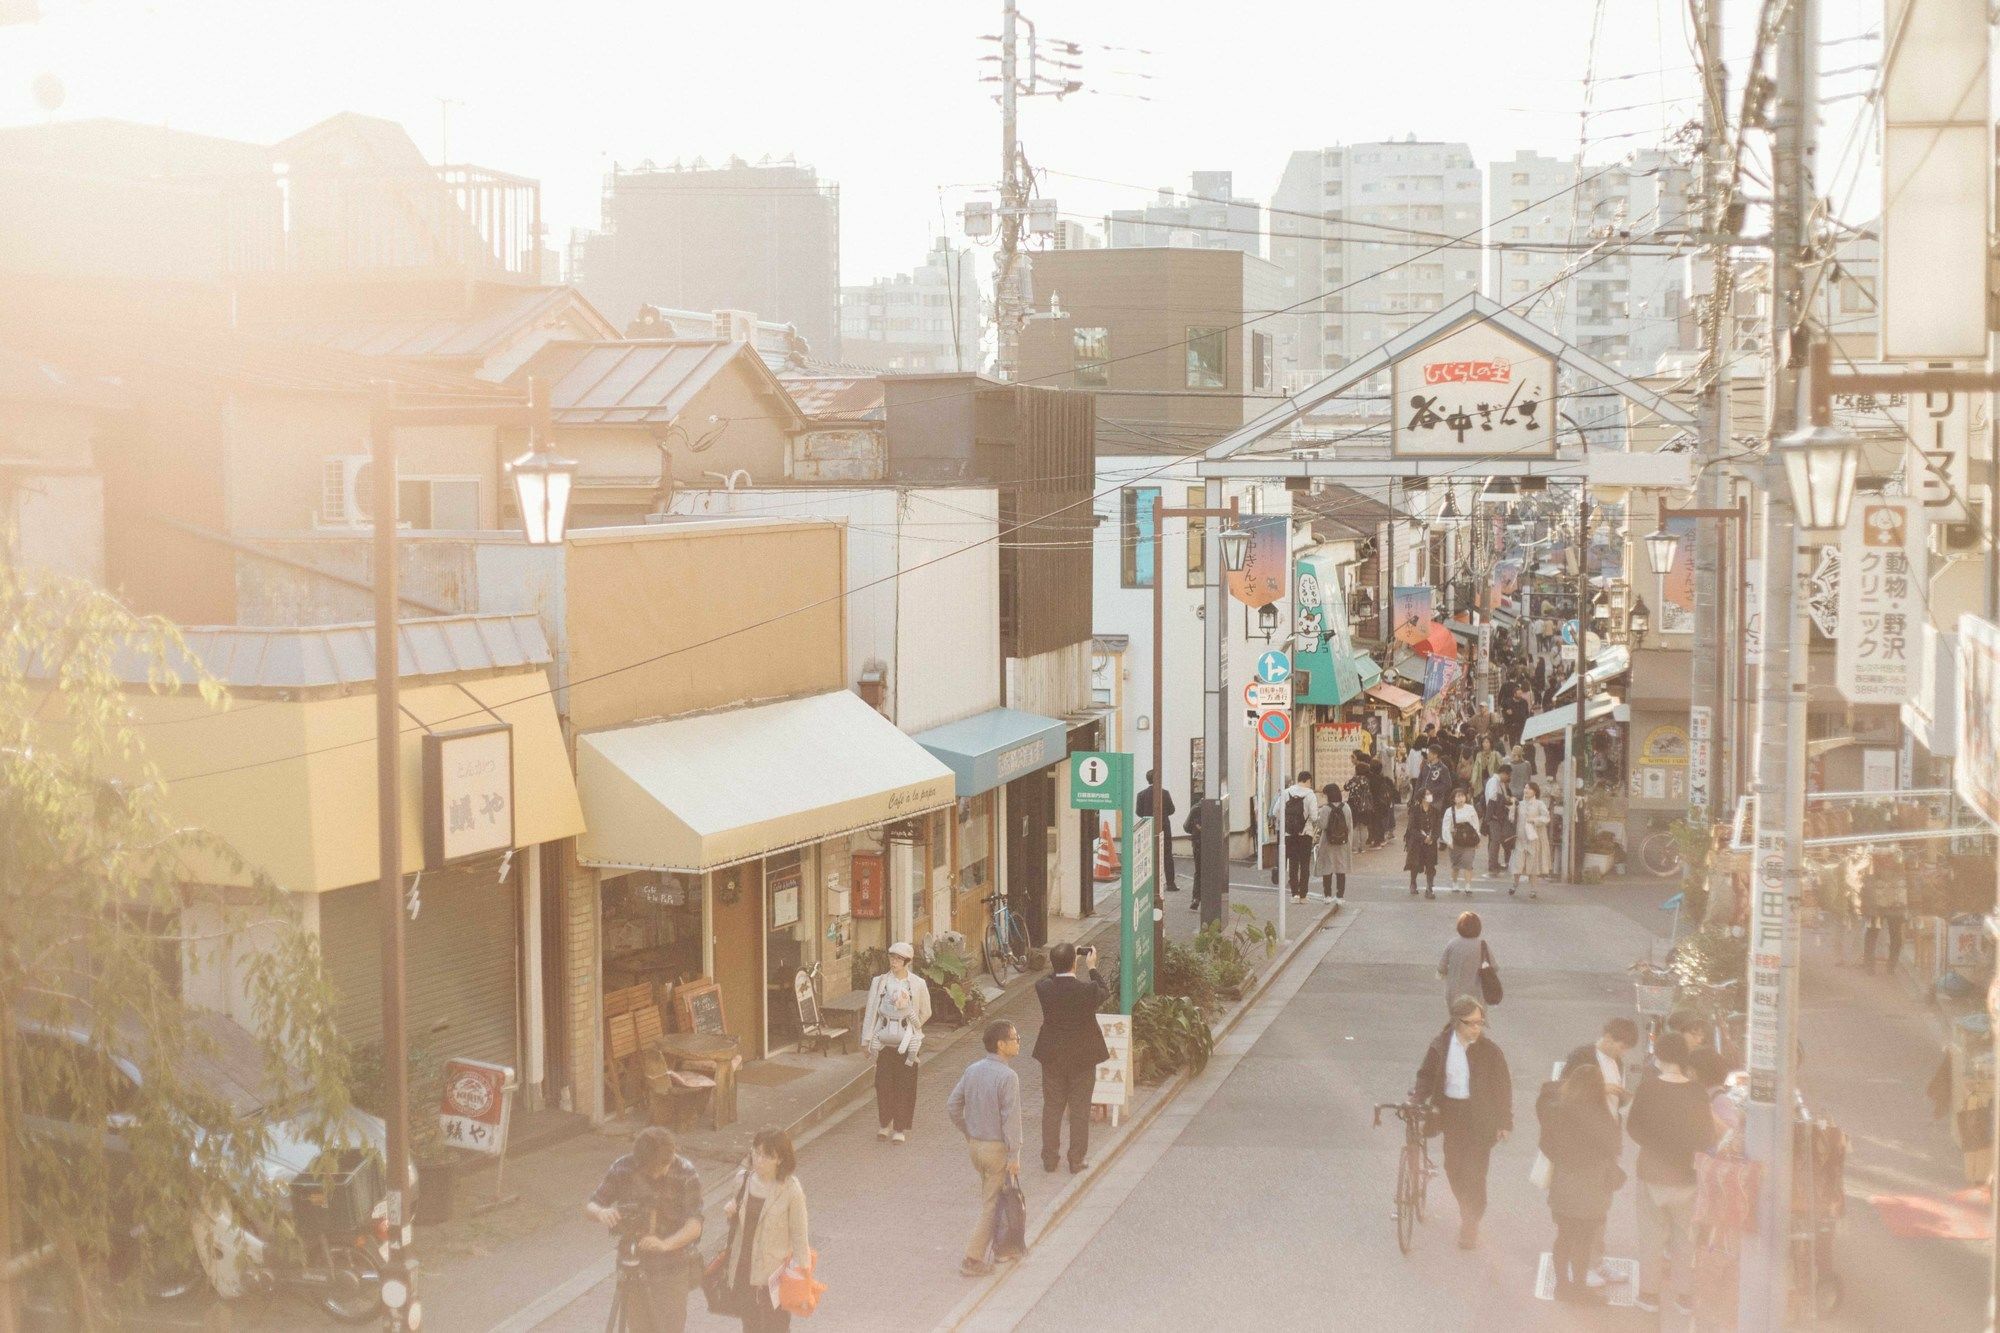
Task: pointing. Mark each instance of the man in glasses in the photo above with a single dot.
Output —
(1464, 1077)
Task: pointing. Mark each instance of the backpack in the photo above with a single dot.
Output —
(1295, 816)
(1336, 827)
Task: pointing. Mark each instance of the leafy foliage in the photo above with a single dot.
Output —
(946, 965)
(96, 927)
(1186, 971)
(1170, 1033)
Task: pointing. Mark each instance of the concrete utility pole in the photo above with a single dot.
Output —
(1776, 882)
(1007, 303)
(1707, 708)
(1212, 850)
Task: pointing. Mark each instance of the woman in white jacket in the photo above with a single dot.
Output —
(1531, 845)
(1459, 831)
(892, 1030)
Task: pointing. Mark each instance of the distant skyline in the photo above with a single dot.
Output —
(883, 97)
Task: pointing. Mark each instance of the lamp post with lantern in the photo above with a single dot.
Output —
(542, 488)
(1731, 743)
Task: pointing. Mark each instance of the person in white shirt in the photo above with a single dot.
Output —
(892, 1030)
(1464, 1076)
(1460, 832)
(1298, 807)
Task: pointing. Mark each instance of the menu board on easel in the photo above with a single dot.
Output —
(698, 1007)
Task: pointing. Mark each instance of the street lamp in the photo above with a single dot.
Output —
(1662, 549)
(542, 480)
(1820, 463)
(1235, 548)
(1639, 621)
(1267, 620)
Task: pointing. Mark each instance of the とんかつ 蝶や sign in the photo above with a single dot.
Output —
(1475, 392)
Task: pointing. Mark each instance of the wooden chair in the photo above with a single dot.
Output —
(812, 1024)
(676, 1097)
(621, 1048)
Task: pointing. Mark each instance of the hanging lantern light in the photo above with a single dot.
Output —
(1235, 548)
(1662, 549)
(1820, 463)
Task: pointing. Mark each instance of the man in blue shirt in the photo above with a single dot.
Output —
(986, 1107)
(651, 1200)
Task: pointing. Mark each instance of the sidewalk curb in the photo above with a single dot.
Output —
(823, 1118)
(1163, 1096)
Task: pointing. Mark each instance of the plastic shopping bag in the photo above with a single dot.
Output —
(798, 1291)
(1010, 1226)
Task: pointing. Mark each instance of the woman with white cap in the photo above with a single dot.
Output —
(892, 1030)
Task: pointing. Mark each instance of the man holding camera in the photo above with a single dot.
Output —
(651, 1200)
(1070, 1046)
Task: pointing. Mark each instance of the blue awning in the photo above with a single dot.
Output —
(1369, 669)
(996, 746)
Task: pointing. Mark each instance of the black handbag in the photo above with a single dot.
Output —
(1463, 834)
(718, 1287)
(1490, 989)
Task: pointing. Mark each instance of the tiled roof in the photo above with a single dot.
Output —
(835, 397)
(465, 336)
(322, 656)
(638, 382)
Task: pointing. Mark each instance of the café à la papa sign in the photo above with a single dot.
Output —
(1474, 391)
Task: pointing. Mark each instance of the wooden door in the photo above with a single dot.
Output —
(736, 921)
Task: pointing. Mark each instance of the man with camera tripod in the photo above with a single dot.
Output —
(651, 1200)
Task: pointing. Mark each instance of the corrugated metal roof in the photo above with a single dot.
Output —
(639, 382)
(325, 656)
(467, 335)
(207, 354)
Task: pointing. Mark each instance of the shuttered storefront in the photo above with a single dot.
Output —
(462, 961)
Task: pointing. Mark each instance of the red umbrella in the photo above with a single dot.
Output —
(1441, 643)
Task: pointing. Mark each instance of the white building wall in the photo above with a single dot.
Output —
(948, 607)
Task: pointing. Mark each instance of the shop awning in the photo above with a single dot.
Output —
(996, 746)
(1608, 664)
(1556, 720)
(289, 784)
(1400, 700)
(1368, 669)
(698, 793)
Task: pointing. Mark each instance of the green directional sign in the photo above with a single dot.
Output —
(1137, 883)
(1100, 780)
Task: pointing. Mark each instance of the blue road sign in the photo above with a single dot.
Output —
(1274, 667)
(1569, 632)
(1274, 726)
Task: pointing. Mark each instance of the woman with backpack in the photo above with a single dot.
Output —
(1459, 830)
(1333, 853)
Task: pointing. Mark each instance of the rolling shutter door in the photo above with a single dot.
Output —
(462, 953)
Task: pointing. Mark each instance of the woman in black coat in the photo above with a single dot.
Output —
(1475, 1107)
(1420, 841)
(1582, 1140)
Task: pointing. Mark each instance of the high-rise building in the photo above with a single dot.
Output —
(1351, 227)
(742, 236)
(930, 319)
(1207, 217)
(1575, 258)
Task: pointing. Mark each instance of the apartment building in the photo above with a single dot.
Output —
(1208, 217)
(927, 320)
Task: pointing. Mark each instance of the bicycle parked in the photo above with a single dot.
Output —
(1004, 946)
(1413, 1168)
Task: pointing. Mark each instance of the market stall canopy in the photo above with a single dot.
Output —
(1557, 720)
(997, 746)
(1401, 700)
(1440, 642)
(698, 793)
(1608, 664)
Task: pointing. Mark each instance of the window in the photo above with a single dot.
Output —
(1207, 358)
(1135, 536)
(1089, 350)
(1260, 360)
(1197, 537)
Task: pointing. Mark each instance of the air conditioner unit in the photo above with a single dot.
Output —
(343, 491)
(735, 326)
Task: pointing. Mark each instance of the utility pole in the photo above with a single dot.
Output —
(1007, 284)
(1212, 849)
(1776, 881)
(1706, 705)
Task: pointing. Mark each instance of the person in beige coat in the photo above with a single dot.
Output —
(892, 1030)
(769, 1231)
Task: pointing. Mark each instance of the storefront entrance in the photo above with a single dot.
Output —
(1030, 816)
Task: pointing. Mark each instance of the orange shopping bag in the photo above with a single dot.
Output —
(798, 1290)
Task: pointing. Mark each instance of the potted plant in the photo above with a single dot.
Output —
(945, 967)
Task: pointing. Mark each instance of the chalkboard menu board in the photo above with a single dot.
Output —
(699, 1007)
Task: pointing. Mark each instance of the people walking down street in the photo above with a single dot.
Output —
(1485, 764)
(985, 1105)
(650, 1198)
(768, 1229)
(1885, 905)
(1523, 764)
(1359, 797)
(1581, 1139)
(1464, 1076)
(1412, 757)
(1501, 810)
(1459, 967)
(1436, 779)
(1671, 1121)
(1142, 806)
(1069, 1048)
(1299, 805)
(1618, 1038)
(1382, 805)
(892, 1030)
(1531, 840)
(1333, 850)
(1420, 843)
(1192, 827)
(1459, 831)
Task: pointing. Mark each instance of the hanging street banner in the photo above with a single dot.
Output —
(1322, 646)
(1823, 592)
(1440, 674)
(1881, 609)
(1474, 392)
(1677, 584)
(1261, 581)
(1753, 611)
(1411, 617)
(1977, 767)
(1701, 759)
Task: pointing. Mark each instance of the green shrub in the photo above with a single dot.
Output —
(1170, 1033)
(866, 965)
(1186, 971)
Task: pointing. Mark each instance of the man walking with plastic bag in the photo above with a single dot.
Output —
(986, 1107)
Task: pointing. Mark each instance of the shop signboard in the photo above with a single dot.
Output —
(1882, 566)
(1701, 759)
(468, 793)
(1476, 391)
(477, 1105)
(1113, 1087)
(1977, 768)
(1753, 612)
(867, 876)
(1100, 780)
(1135, 918)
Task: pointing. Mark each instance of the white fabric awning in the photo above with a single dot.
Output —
(1607, 664)
(698, 793)
(1546, 724)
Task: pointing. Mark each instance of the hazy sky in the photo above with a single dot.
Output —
(882, 95)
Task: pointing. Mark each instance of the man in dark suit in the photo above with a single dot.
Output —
(1142, 806)
(1069, 1048)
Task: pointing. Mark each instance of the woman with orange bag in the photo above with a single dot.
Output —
(768, 1230)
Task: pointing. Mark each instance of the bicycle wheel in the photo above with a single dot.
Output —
(1408, 1188)
(994, 958)
(1424, 1173)
(1017, 942)
(1659, 856)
